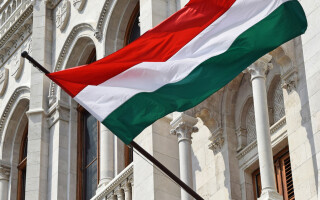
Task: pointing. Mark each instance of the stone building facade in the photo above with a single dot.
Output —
(51, 148)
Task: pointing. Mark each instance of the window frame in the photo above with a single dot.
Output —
(22, 166)
(279, 173)
(133, 16)
(80, 137)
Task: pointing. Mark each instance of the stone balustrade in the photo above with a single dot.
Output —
(120, 188)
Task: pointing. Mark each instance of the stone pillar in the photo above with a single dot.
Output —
(120, 194)
(4, 182)
(38, 137)
(258, 77)
(127, 190)
(183, 127)
(106, 156)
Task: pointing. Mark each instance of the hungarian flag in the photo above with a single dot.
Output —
(180, 62)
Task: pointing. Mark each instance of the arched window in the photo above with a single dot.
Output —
(22, 167)
(132, 33)
(278, 104)
(88, 150)
(251, 125)
(133, 28)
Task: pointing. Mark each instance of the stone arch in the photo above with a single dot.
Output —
(78, 56)
(82, 32)
(14, 121)
(116, 24)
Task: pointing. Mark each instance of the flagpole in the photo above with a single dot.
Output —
(132, 144)
(165, 170)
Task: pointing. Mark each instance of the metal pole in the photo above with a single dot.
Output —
(165, 170)
(133, 144)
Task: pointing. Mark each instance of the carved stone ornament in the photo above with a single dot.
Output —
(259, 68)
(4, 173)
(290, 81)
(63, 14)
(79, 4)
(183, 127)
(217, 140)
(4, 76)
(16, 66)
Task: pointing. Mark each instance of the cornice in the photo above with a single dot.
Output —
(17, 34)
(20, 17)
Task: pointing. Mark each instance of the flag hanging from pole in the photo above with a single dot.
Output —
(180, 62)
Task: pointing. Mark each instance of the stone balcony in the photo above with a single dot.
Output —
(121, 187)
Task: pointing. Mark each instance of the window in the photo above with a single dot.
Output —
(22, 167)
(133, 28)
(88, 150)
(132, 33)
(283, 176)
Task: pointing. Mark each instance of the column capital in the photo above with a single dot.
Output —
(217, 140)
(4, 173)
(259, 68)
(183, 127)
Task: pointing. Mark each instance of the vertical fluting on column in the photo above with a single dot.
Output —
(106, 155)
(4, 182)
(258, 79)
(183, 127)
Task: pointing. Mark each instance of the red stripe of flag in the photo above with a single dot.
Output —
(157, 45)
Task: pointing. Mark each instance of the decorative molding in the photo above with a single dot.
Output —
(208, 120)
(259, 68)
(4, 173)
(4, 77)
(63, 56)
(60, 111)
(108, 190)
(290, 80)
(18, 92)
(63, 14)
(217, 140)
(242, 138)
(7, 30)
(79, 4)
(278, 125)
(102, 19)
(183, 127)
(16, 65)
(247, 149)
(12, 40)
(273, 129)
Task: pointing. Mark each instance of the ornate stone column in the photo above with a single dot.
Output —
(258, 77)
(106, 156)
(4, 182)
(183, 127)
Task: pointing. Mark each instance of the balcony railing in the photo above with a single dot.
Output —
(120, 188)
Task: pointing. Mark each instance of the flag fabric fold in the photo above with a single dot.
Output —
(180, 62)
